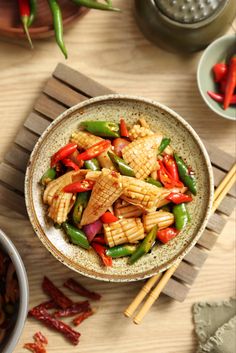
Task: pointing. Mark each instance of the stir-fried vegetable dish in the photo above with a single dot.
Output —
(9, 296)
(118, 189)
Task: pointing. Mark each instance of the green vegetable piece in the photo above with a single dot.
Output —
(92, 4)
(92, 164)
(145, 246)
(57, 225)
(166, 208)
(33, 9)
(48, 176)
(102, 128)
(76, 236)
(80, 204)
(154, 182)
(188, 179)
(121, 250)
(121, 165)
(181, 216)
(164, 143)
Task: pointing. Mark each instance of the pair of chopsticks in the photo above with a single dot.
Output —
(161, 278)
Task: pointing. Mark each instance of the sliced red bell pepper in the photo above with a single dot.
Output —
(177, 197)
(79, 186)
(123, 129)
(165, 235)
(62, 153)
(101, 251)
(94, 151)
(166, 178)
(219, 70)
(230, 82)
(70, 164)
(108, 217)
(171, 166)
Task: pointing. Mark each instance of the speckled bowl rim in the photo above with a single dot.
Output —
(200, 63)
(11, 250)
(33, 216)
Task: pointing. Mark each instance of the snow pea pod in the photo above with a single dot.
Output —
(92, 164)
(122, 166)
(185, 175)
(102, 128)
(181, 215)
(76, 235)
(48, 176)
(121, 250)
(164, 143)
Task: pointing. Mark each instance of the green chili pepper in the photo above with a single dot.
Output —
(145, 246)
(92, 164)
(57, 225)
(123, 167)
(80, 204)
(164, 143)
(121, 250)
(181, 216)
(48, 176)
(76, 235)
(102, 128)
(33, 9)
(187, 178)
(96, 5)
(154, 182)
(58, 25)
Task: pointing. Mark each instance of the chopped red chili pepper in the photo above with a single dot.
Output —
(75, 308)
(230, 82)
(101, 251)
(100, 240)
(70, 164)
(63, 152)
(35, 347)
(78, 319)
(81, 290)
(39, 337)
(171, 166)
(165, 235)
(50, 304)
(56, 294)
(79, 186)
(178, 197)
(108, 217)
(167, 179)
(43, 316)
(94, 151)
(123, 129)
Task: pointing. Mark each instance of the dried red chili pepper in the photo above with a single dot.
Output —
(81, 290)
(78, 319)
(74, 309)
(42, 315)
(56, 294)
(50, 304)
(35, 347)
(63, 152)
(39, 337)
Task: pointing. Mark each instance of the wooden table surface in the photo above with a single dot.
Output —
(110, 48)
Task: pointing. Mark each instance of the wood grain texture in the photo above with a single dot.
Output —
(111, 49)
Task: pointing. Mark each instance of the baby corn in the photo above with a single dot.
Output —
(123, 209)
(128, 230)
(161, 218)
(138, 131)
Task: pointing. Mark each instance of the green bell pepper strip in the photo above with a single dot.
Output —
(80, 204)
(154, 182)
(188, 179)
(181, 216)
(102, 128)
(122, 166)
(96, 5)
(145, 246)
(121, 250)
(92, 164)
(164, 143)
(48, 176)
(76, 235)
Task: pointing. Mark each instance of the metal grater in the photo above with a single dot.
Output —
(189, 11)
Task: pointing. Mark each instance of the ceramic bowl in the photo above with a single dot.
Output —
(220, 50)
(12, 337)
(112, 107)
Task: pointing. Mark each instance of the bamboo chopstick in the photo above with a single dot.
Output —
(219, 195)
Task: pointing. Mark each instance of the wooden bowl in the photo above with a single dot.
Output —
(10, 24)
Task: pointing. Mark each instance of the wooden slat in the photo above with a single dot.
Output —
(216, 223)
(12, 177)
(219, 176)
(12, 200)
(186, 272)
(80, 82)
(227, 205)
(36, 123)
(17, 157)
(63, 93)
(176, 290)
(208, 239)
(196, 257)
(220, 158)
(26, 139)
(48, 107)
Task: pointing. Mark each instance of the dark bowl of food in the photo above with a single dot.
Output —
(14, 295)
